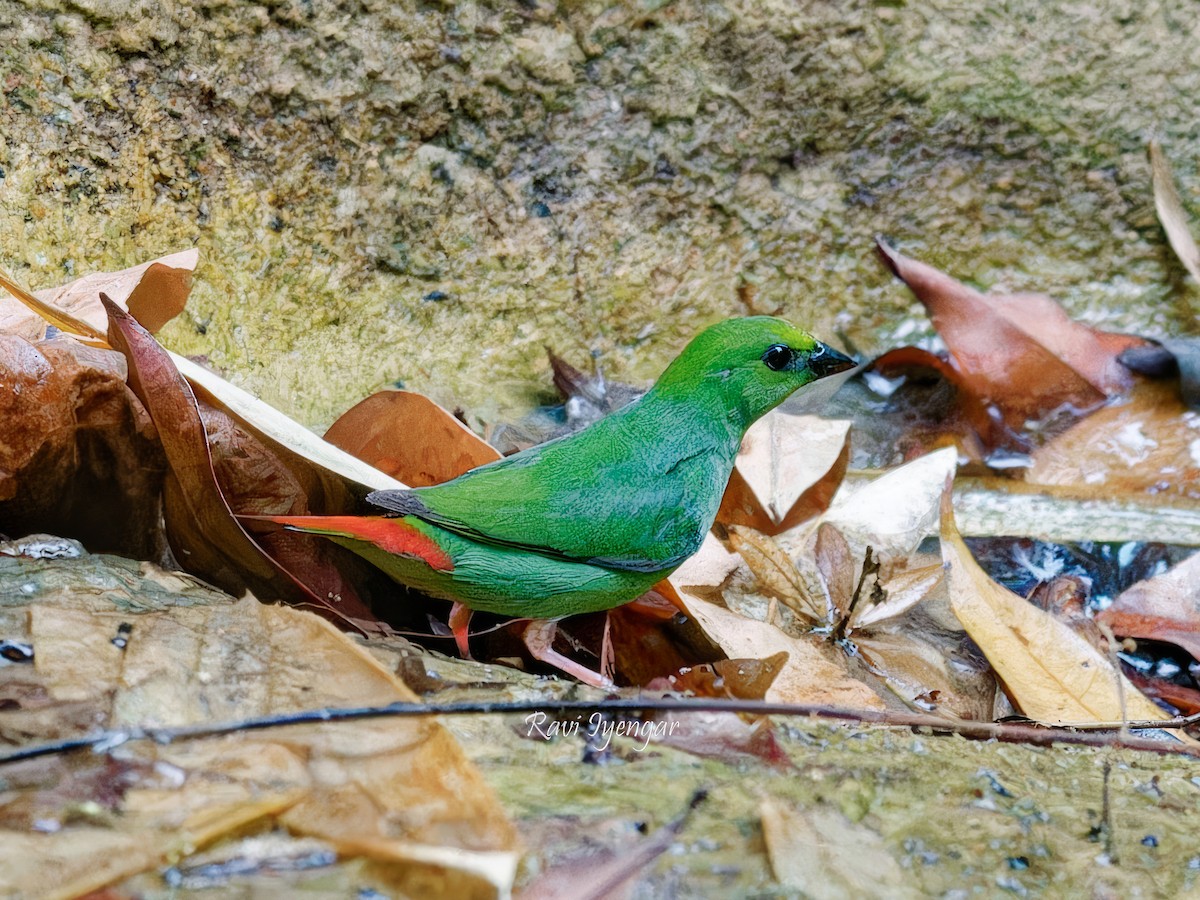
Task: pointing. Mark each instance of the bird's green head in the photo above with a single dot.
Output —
(744, 368)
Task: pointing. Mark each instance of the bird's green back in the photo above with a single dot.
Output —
(639, 489)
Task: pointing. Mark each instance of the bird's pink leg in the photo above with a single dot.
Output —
(460, 621)
(608, 654)
(539, 638)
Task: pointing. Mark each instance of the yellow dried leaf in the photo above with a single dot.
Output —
(1052, 674)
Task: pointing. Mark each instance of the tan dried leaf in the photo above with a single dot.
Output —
(1052, 674)
(787, 471)
(814, 672)
(401, 791)
(1171, 213)
(776, 573)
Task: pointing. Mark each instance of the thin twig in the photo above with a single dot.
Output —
(1001, 731)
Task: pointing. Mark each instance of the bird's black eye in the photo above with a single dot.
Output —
(778, 357)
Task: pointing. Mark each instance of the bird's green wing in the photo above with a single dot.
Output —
(612, 501)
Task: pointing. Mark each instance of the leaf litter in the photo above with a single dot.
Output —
(853, 578)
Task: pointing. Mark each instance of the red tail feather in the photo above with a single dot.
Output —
(393, 535)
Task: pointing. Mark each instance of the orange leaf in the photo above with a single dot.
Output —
(153, 293)
(409, 437)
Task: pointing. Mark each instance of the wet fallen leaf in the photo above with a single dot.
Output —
(928, 396)
(409, 437)
(1148, 444)
(786, 472)
(587, 398)
(728, 737)
(1020, 352)
(1163, 608)
(1052, 674)
(826, 856)
(650, 644)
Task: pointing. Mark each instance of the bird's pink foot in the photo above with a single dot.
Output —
(539, 638)
(460, 622)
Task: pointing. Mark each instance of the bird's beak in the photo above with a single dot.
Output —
(824, 360)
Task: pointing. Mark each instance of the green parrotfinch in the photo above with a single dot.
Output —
(594, 519)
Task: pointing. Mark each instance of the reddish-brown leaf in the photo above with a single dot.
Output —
(78, 456)
(1163, 608)
(1020, 352)
(409, 437)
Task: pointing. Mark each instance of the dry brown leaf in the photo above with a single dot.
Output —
(786, 472)
(827, 857)
(890, 611)
(1052, 674)
(1149, 444)
(153, 293)
(409, 437)
(395, 790)
(748, 679)
(904, 589)
(198, 505)
(247, 409)
(777, 574)
(79, 455)
(814, 671)
(1170, 212)
(251, 412)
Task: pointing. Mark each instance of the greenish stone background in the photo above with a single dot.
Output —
(598, 177)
